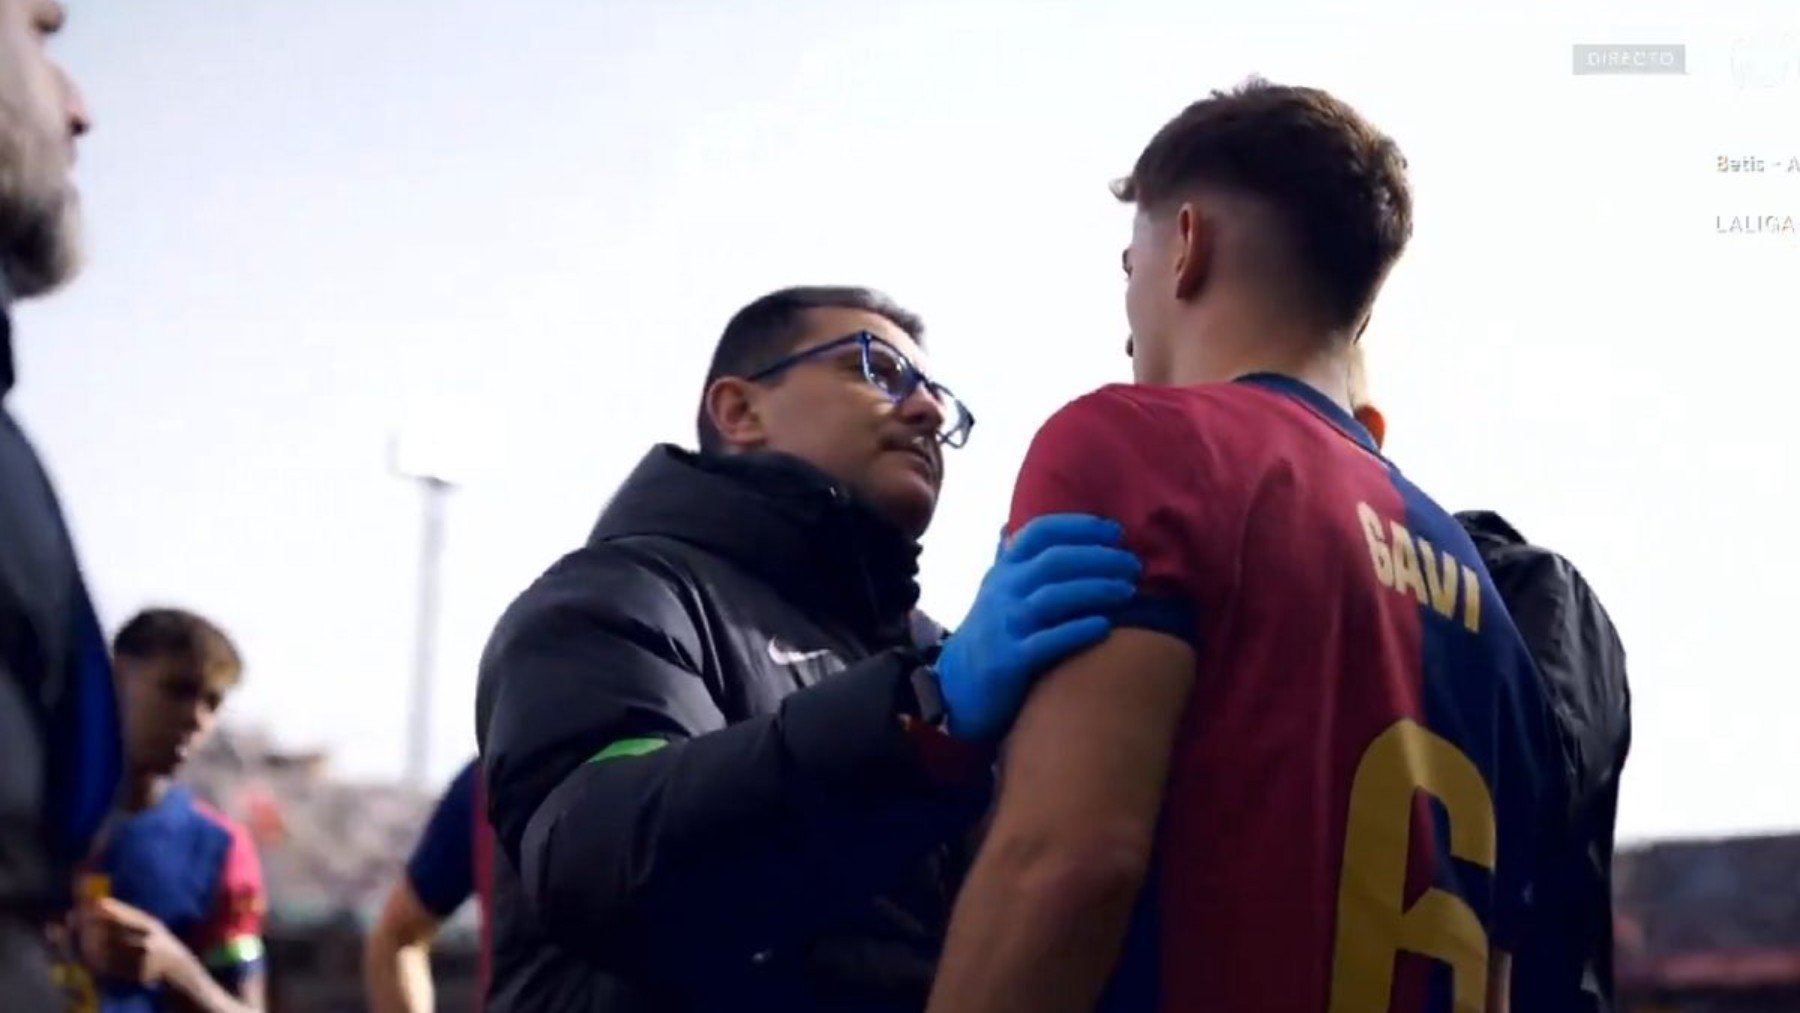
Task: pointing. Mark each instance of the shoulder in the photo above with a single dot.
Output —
(239, 846)
(234, 832)
(1130, 433)
(598, 617)
(1114, 409)
(1082, 456)
(597, 589)
(1137, 419)
(1122, 452)
(601, 577)
(1496, 538)
(1524, 571)
(1104, 431)
(466, 785)
(1569, 631)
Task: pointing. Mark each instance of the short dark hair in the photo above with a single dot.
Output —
(158, 634)
(1339, 184)
(770, 327)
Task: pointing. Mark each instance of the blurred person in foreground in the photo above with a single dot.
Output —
(1305, 771)
(172, 910)
(729, 763)
(1565, 963)
(59, 739)
(452, 861)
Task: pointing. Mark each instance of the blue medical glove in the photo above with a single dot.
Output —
(1048, 595)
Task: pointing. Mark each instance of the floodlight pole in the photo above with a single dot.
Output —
(435, 489)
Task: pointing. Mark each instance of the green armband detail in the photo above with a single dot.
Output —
(242, 950)
(628, 747)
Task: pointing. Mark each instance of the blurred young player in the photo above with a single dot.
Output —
(173, 906)
(1303, 774)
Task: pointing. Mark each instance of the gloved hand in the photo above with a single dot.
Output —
(1048, 595)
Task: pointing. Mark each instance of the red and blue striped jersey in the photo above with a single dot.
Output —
(1350, 813)
(196, 871)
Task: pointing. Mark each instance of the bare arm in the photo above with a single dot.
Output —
(1499, 982)
(397, 954)
(1041, 921)
(127, 944)
(202, 994)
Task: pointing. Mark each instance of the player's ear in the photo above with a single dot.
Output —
(1372, 420)
(731, 403)
(1196, 237)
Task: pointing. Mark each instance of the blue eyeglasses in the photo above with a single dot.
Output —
(891, 373)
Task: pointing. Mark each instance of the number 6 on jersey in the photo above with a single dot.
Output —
(1374, 924)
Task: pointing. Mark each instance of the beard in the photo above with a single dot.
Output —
(43, 248)
(40, 214)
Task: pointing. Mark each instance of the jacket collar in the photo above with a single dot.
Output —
(781, 519)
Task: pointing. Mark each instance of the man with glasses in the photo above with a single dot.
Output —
(729, 764)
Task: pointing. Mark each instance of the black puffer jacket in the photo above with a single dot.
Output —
(785, 848)
(1566, 965)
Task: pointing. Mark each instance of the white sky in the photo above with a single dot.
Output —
(525, 222)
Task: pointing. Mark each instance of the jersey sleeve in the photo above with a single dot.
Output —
(442, 867)
(230, 941)
(1103, 454)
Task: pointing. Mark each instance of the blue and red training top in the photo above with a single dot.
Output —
(197, 872)
(454, 859)
(1351, 807)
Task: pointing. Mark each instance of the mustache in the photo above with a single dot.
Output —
(926, 445)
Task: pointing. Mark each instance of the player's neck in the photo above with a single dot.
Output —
(1327, 372)
(1228, 340)
(143, 790)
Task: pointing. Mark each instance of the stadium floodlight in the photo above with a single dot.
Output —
(417, 456)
